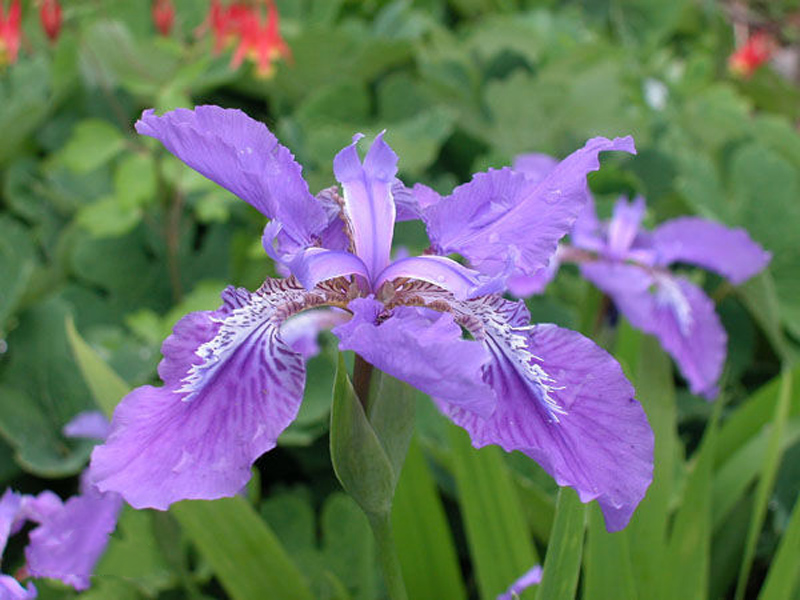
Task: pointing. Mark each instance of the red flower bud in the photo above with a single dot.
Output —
(10, 32)
(163, 16)
(51, 18)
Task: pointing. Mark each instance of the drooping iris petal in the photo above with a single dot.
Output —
(69, 542)
(11, 589)
(624, 226)
(318, 264)
(442, 271)
(564, 402)
(241, 155)
(89, 424)
(503, 215)
(368, 203)
(232, 385)
(421, 347)
(674, 310)
(528, 579)
(729, 252)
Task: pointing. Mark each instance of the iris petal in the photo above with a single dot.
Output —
(232, 385)
(243, 156)
(421, 347)
(564, 402)
(368, 203)
(504, 215)
(674, 310)
(729, 252)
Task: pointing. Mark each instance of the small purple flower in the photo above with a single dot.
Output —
(233, 380)
(528, 579)
(630, 264)
(71, 536)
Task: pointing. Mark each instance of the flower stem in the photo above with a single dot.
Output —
(362, 374)
(392, 574)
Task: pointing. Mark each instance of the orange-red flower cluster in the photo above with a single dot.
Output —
(256, 38)
(757, 50)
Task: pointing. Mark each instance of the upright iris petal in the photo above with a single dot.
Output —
(504, 216)
(368, 203)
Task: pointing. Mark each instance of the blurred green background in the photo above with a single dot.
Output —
(105, 228)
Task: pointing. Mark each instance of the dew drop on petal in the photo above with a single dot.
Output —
(494, 237)
(553, 196)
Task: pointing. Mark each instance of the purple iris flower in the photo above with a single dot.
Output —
(631, 265)
(71, 536)
(232, 382)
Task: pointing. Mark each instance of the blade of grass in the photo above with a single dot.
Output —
(688, 558)
(106, 386)
(563, 561)
(422, 536)
(608, 574)
(784, 576)
(768, 473)
(655, 389)
(498, 537)
(244, 553)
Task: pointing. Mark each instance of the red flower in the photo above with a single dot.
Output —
(261, 42)
(10, 32)
(50, 17)
(757, 50)
(226, 22)
(163, 12)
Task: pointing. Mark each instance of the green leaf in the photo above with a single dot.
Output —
(107, 387)
(17, 262)
(135, 180)
(608, 573)
(562, 563)
(133, 554)
(498, 537)
(784, 576)
(94, 142)
(769, 472)
(358, 457)
(424, 542)
(690, 542)
(242, 550)
(391, 414)
(42, 390)
(655, 389)
(108, 217)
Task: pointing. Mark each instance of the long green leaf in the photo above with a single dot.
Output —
(107, 387)
(690, 543)
(608, 574)
(563, 561)
(784, 575)
(242, 550)
(652, 377)
(499, 541)
(768, 473)
(422, 536)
